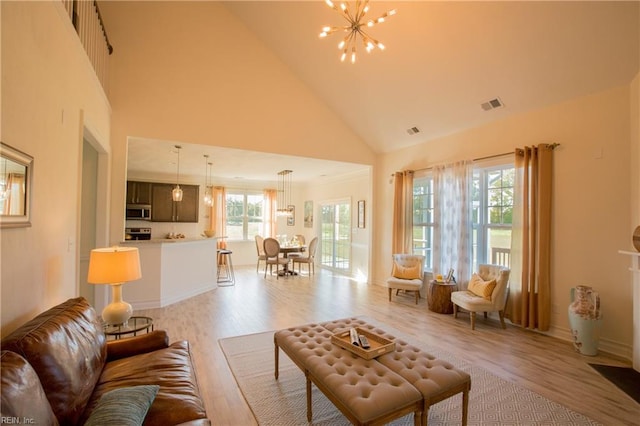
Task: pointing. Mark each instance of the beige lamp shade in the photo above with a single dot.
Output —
(114, 265)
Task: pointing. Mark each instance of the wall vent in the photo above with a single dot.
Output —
(492, 104)
(413, 130)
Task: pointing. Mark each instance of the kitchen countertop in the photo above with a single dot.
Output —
(167, 240)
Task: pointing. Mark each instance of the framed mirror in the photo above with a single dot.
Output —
(16, 171)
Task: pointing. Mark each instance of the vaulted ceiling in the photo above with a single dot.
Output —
(444, 60)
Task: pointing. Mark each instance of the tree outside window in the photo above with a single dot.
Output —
(244, 215)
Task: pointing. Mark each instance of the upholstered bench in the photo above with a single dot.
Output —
(371, 391)
(365, 391)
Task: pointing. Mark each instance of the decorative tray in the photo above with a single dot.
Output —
(379, 345)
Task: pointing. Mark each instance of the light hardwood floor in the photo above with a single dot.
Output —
(539, 363)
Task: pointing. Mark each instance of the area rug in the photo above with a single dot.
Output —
(492, 400)
(625, 378)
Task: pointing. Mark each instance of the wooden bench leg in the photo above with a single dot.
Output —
(276, 357)
(424, 419)
(390, 290)
(465, 405)
(309, 409)
(473, 320)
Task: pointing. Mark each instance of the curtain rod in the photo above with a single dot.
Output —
(488, 157)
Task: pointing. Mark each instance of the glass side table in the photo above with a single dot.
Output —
(134, 326)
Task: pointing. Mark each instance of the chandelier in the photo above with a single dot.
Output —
(208, 198)
(283, 199)
(176, 194)
(354, 28)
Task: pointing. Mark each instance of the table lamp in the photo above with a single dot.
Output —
(115, 266)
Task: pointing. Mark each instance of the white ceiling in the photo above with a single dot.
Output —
(442, 61)
(159, 158)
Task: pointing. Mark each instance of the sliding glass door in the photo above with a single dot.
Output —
(335, 235)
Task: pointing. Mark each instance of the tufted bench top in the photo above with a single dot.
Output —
(365, 391)
(376, 390)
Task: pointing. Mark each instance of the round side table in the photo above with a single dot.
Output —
(134, 326)
(439, 296)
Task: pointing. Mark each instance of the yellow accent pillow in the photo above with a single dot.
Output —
(480, 287)
(406, 272)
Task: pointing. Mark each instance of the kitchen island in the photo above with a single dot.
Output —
(172, 270)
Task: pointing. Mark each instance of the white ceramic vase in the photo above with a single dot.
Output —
(585, 319)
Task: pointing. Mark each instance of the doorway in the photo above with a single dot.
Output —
(335, 235)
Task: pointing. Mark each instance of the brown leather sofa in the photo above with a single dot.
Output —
(56, 367)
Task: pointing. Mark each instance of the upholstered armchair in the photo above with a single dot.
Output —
(487, 292)
(407, 274)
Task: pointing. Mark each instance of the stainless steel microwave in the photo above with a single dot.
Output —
(138, 212)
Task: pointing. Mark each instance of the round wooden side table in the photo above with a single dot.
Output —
(439, 296)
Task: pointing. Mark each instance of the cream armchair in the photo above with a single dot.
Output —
(407, 274)
(487, 292)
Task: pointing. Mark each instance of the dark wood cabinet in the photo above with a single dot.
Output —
(138, 192)
(164, 209)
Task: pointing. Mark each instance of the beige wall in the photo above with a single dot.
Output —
(591, 209)
(231, 94)
(246, 98)
(635, 153)
(49, 94)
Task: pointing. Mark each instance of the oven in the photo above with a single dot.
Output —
(137, 234)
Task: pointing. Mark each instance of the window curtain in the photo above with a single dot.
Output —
(452, 235)
(402, 232)
(269, 214)
(218, 217)
(529, 302)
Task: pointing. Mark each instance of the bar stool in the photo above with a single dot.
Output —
(225, 265)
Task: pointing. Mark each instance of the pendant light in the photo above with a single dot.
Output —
(208, 199)
(176, 194)
(284, 193)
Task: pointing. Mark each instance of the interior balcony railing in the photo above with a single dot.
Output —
(86, 19)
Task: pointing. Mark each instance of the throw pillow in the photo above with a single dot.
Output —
(480, 287)
(124, 406)
(406, 272)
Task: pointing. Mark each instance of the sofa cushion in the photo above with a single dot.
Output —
(480, 287)
(66, 347)
(124, 406)
(178, 399)
(22, 394)
(411, 272)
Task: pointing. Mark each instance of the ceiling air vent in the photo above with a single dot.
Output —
(492, 104)
(413, 130)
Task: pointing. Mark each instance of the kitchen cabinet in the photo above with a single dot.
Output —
(164, 209)
(138, 192)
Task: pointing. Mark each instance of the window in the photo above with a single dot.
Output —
(244, 215)
(423, 218)
(492, 214)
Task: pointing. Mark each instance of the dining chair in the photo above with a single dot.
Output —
(308, 258)
(260, 250)
(272, 256)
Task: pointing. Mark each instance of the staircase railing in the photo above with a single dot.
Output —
(86, 19)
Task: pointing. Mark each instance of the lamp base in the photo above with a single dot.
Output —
(117, 313)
